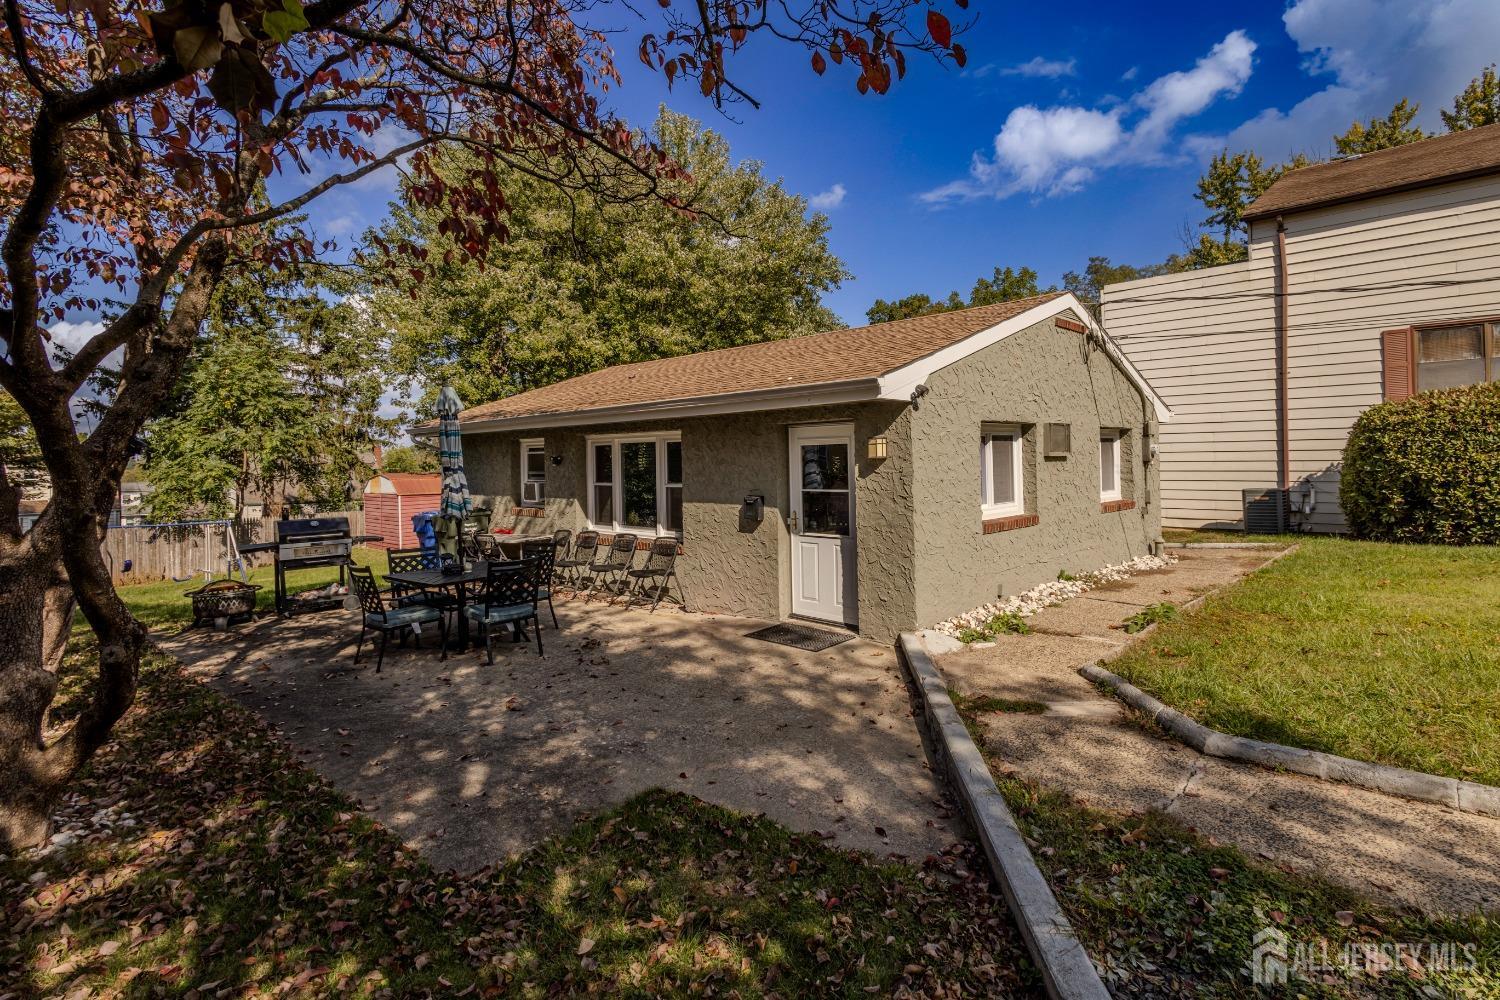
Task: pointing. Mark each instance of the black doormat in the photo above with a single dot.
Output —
(800, 636)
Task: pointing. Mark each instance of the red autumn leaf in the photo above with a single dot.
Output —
(959, 55)
(819, 64)
(939, 28)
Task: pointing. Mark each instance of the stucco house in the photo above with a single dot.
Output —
(884, 478)
(1369, 278)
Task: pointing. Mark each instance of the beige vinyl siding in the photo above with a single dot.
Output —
(1357, 269)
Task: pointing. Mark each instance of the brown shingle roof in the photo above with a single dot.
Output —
(836, 356)
(1419, 164)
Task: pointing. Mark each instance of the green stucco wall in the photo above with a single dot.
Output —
(1040, 375)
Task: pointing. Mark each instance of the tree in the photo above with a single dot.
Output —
(280, 398)
(20, 458)
(1227, 188)
(409, 458)
(584, 283)
(131, 144)
(1003, 286)
(1395, 129)
(1099, 272)
(1478, 105)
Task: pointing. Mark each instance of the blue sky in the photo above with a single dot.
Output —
(1091, 122)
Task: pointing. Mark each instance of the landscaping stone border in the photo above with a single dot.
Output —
(1067, 971)
(1465, 796)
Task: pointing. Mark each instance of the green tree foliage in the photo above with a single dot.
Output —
(20, 456)
(585, 282)
(280, 399)
(1478, 105)
(1003, 286)
(1099, 272)
(1395, 129)
(1426, 469)
(1227, 188)
(409, 458)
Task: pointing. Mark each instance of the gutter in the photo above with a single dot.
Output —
(1283, 377)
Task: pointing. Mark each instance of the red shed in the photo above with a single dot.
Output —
(391, 498)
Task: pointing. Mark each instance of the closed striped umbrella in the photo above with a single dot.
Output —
(456, 502)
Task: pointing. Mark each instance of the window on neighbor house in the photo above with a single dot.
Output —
(1109, 465)
(635, 483)
(1450, 356)
(1001, 488)
(533, 473)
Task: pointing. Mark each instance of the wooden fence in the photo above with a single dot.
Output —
(146, 555)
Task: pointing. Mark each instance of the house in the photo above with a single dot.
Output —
(1368, 278)
(884, 477)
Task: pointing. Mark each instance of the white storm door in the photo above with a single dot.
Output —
(822, 522)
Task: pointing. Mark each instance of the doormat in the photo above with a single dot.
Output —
(800, 636)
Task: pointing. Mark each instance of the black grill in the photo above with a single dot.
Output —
(304, 543)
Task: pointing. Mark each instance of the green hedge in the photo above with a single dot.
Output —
(1426, 469)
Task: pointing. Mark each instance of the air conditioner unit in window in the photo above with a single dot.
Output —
(533, 492)
(1266, 511)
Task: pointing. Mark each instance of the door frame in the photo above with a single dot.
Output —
(844, 431)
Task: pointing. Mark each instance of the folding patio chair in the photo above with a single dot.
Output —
(375, 614)
(545, 552)
(615, 562)
(660, 566)
(509, 598)
(584, 550)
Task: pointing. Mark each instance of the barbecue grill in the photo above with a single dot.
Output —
(308, 542)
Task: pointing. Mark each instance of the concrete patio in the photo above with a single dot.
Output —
(472, 763)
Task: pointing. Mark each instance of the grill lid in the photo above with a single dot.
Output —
(312, 529)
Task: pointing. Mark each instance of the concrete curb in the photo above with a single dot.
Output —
(1067, 970)
(1228, 545)
(1465, 796)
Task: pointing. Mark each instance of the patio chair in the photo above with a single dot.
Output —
(615, 562)
(545, 553)
(659, 568)
(509, 598)
(375, 613)
(412, 561)
(584, 550)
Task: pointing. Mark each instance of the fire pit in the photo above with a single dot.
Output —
(225, 601)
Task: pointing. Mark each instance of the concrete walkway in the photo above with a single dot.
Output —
(1405, 852)
(471, 763)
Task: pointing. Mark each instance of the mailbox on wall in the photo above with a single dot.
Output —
(754, 508)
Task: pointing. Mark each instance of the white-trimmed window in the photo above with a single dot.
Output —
(533, 472)
(635, 483)
(1109, 465)
(1001, 486)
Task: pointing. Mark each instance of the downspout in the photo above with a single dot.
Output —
(1283, 430)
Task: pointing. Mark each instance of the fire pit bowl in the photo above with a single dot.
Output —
(228, 601)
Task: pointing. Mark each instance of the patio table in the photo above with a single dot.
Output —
(511, 544)
(459, 583)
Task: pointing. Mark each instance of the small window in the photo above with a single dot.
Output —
(604, 484)
(533, 473)
(1109, 465)
(672, 520)
(635, 483)
(1449, 356)
(1001, 489)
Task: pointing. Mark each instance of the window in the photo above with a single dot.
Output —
(635, 483)
(1109, 465)
(1449, 356)
(533, 473)
(1001, 489)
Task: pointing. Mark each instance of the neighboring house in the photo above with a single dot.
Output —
(885, 477)
(1390, 264)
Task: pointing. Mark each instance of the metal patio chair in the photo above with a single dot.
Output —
(413, 561)
(375, 613)
(612, 567)
(545, 552)
(659, 568)
(584, 550)
(509, 598)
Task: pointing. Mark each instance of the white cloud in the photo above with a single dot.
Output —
(832, 198)
(74, 335)
(1373, 53)
(1130, 74)
(1054, 151)
(1049, 69)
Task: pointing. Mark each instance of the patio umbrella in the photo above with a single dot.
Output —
(456, 503)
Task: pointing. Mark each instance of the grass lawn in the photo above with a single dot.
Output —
(161, 605)
(1386, 653)
(207, 859)
(1166, 912)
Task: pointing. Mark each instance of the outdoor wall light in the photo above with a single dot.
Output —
(877, 448)
(557, 459)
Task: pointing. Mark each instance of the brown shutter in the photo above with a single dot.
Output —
(1398, 367)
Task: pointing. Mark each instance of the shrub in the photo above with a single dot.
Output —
(1426, 468)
